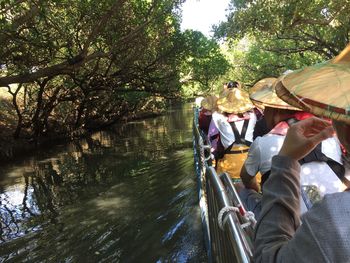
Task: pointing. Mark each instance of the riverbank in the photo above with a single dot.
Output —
(12, 149)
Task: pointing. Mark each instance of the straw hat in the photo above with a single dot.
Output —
(261, 84)
(323, 89)
(234, 101)
(209, 103)
(267, 97)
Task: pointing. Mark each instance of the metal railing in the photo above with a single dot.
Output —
(233, 244)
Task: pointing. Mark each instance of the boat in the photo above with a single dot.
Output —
(227, 225)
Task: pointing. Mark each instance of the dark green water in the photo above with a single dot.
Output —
(127, 195)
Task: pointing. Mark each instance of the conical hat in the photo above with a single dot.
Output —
(323, 89)
(234, 101)
(209, 103)
(266, 96)
(261, 84)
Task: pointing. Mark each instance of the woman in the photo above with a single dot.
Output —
(233, 124)
(208, 106)
(279, 116)
(324, 235)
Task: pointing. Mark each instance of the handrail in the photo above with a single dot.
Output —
(200, 165)
(215, 193)
(234, 196)
(232, 226)
(207, 147)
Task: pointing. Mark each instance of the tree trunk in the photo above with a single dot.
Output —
(17, 132)
(36, 121)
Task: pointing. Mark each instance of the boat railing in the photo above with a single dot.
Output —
(202, 158)
(232, 242)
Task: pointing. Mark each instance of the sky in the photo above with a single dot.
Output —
(201, 14)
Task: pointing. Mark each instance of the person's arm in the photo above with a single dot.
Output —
(280, 215)
(249, 181)
(251, 167)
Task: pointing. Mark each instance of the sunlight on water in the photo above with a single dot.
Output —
(109, 205)
(125, 195)
(14, 195)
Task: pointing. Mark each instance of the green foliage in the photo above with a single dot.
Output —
(89, 62)
(203, 65)
(282, 35)
(85, 64)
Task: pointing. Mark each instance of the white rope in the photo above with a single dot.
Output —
(221, 220)
(246, 225)
(249, 215)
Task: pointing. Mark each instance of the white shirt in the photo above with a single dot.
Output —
(318, 174)
(226, 133)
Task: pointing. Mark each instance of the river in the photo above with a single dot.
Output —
(122, 195)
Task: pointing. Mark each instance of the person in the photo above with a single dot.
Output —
(323, 235)
(198, 101)
(231, 85)
(208, 105)
(231, 131)
(279, 116)
(261, 126)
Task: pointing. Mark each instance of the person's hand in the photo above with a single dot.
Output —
(304, 136)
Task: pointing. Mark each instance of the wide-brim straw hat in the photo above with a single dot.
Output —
(234, 101)
(322, 89)
(209, 103)
(266, 96)
(262, 84)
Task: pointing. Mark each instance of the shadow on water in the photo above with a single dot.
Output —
(127, 195)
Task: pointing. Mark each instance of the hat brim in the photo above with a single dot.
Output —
(309, 105)
(234, 108)
(209, 103)
(323, 89)
(266, 97)
(234, 101)
(261, 84)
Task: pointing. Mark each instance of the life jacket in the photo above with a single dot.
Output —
(219, 150)
(240, 137)
(236, 154)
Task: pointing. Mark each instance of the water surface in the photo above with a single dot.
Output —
(126, 195)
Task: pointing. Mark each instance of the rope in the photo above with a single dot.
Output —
(221, 220)
(251, 217)
(248, 215)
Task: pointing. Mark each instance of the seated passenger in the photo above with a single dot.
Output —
(261, 126)
(198, 101)
(234, 84)
(279, 116)
(324, 233)
(208, 105)
(233, 125)
(230, 86)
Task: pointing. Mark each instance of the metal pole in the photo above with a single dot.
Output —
(232, 224)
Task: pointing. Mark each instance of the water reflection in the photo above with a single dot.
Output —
(125, 195)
